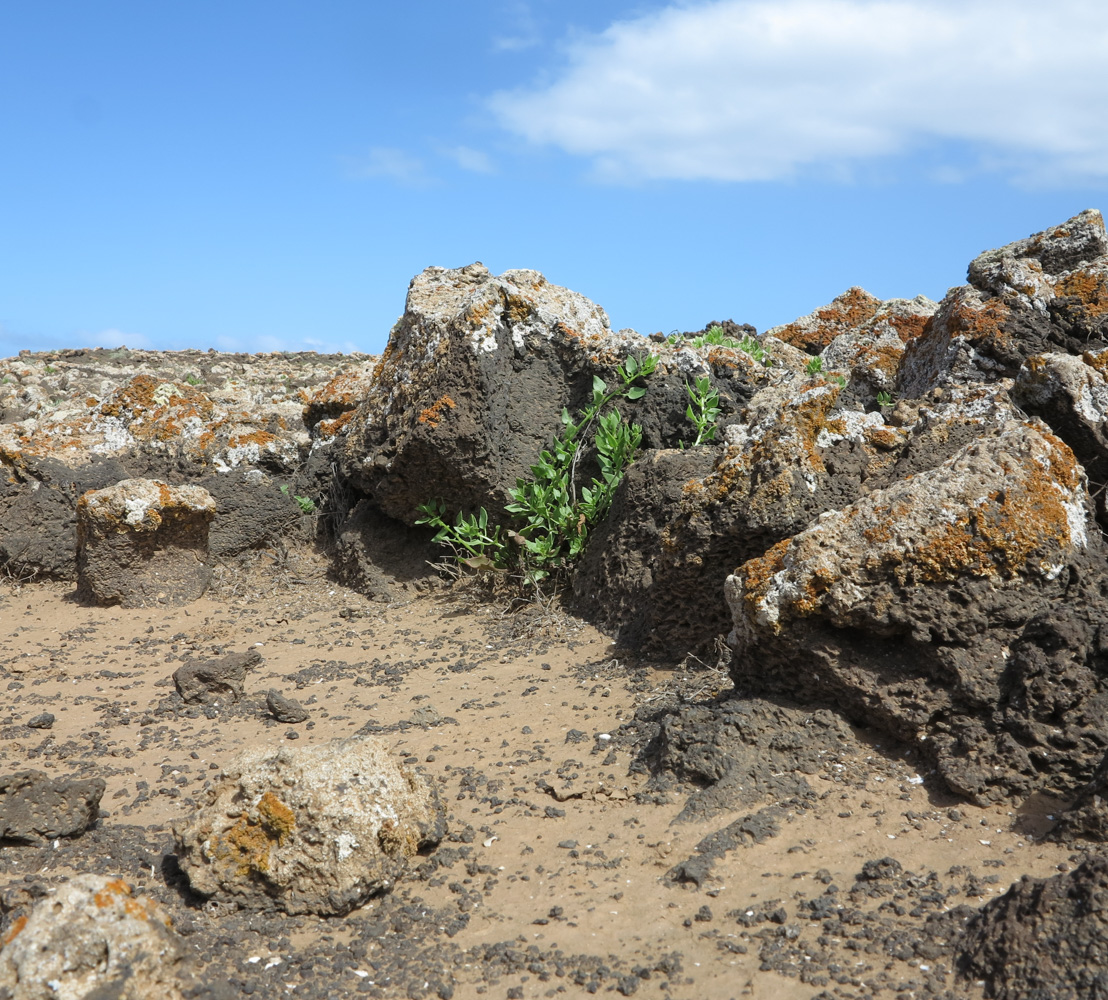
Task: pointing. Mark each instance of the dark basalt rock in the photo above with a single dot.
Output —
(34, 805)
(207, 681)
(1043, 938)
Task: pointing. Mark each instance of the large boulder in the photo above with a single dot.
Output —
(92, 938)
(1043, 294)
(312, 830)
(959, 609)
(1043, 938)
(142, 541)
(475, 376)
(682, 520)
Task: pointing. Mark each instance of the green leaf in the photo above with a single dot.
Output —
(636, 392)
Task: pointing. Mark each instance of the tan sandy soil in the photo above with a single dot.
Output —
(562, 855)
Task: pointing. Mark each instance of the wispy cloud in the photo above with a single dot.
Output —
(388, 162)
(747, 90)
(471, 159)
(523, 28)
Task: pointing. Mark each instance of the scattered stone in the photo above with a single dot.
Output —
(206, 681)
(142, 542)
(34, 805)
(44, 720)
(92, 938)
(285, 709)
(312, 830)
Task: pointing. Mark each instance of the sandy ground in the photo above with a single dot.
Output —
(553, 879)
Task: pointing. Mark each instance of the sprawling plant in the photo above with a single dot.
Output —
(553, 513)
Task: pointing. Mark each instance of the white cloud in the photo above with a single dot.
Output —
(742, 90)
(387, 161)
(471, 159)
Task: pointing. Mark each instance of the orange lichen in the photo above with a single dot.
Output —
(980, 325)
(329, 428)
(277, 818)
(1097, 360)
(851, 309)
(261, 438)
(907, 327)
(432, 416)
(17, 925)
(117, 891)
(1089, 289)
(152, 415)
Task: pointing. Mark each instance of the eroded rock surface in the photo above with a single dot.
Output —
(142, 541)
(1044, 937)
(960, 609)
(93, 938)
(33, 805)
(312, 830)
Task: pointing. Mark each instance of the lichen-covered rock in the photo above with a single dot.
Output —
(1036, 296)
(855, 311)
(312, 830)
(76, 420)
(1070, 392)
(33, 805)
(474, 379)
(91, 937)
(958, 609)
(681, 521)
(141, 541)
(1043, 938)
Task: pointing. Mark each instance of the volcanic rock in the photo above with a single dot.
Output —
(93, 938)
(208, 681)
(34, 805)
(312, 830)
(958, 610)
(142, 541)
(1043, 937)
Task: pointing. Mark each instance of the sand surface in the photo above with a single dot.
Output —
(553, 878)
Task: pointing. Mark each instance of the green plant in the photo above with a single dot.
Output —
(839, 380)
(306, 504)
(814, 366)
(50, 370)
(703, 409)
(552, 514)
(284, 488)
(884, 399)
(192, 379)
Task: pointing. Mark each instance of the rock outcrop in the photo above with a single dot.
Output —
(477, 371)
(251, 429)
(313, 830)
(958, 609)
(142, 541)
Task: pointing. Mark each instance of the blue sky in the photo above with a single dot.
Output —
(269, 176)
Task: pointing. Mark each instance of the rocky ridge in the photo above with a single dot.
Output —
(905, 534)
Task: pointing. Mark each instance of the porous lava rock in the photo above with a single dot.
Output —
(1039, 295)
(1043, 938)
(92, 938)
(960, 609)
(75, 420)
(33, 805)
(312, 830)
(682, 520)
(473, 382)
(142, 541)
(1070, 392)
(205, 682)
